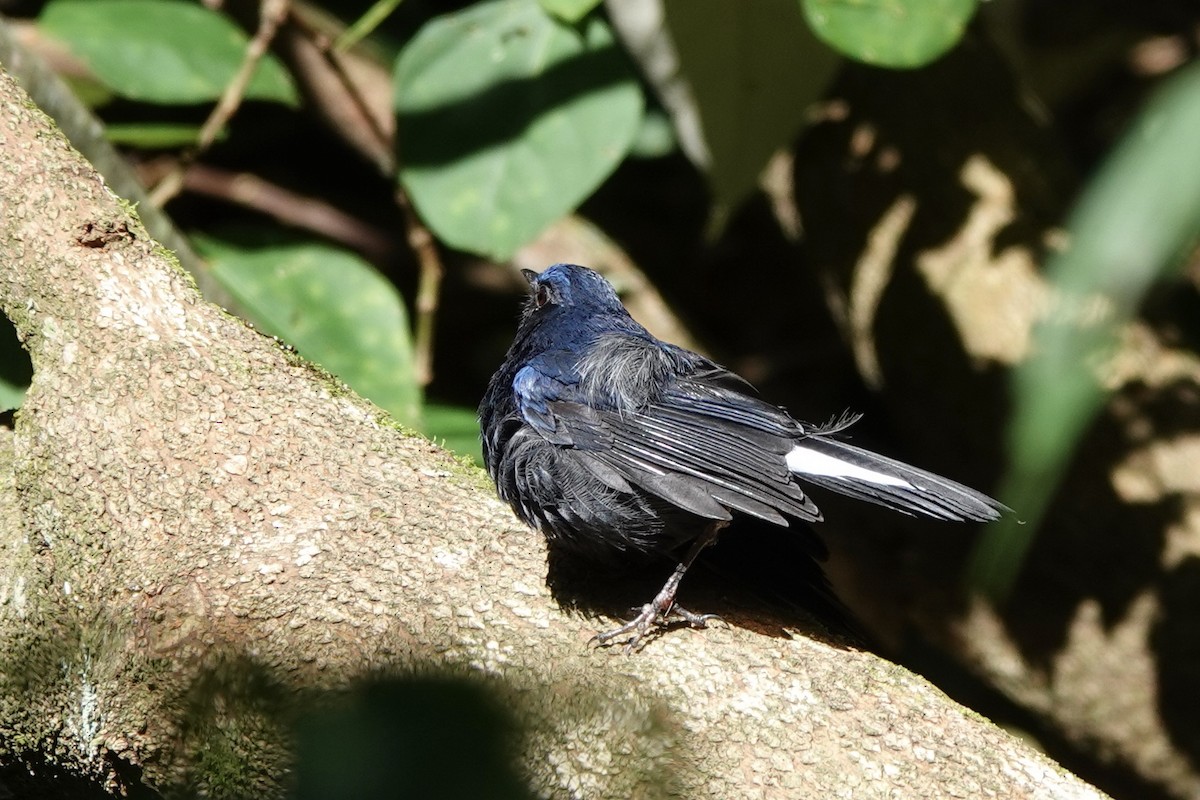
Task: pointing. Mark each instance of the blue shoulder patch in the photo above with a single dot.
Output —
(534, 390)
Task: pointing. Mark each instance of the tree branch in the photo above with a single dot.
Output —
(181, 494)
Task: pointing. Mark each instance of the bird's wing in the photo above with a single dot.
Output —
(702, 463)
(690, 440)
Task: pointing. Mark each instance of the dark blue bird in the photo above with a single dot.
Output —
(621, 447)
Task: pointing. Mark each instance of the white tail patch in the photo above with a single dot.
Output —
(811, 462)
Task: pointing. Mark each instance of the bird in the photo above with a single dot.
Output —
(622, 448)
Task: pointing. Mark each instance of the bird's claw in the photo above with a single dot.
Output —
(635, 629)
(648, 617)
(691, 617)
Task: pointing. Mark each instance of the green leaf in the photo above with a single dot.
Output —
(655, 137)
(89, 89)
(162, 51)
(754, 69)
(454, 427)
(569, 10)
(155, 135)
(16, 370)
(890, 33)
(508, 120)
(332, 306)
(1132, 226)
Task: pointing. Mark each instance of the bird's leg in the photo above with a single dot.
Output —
(662, 608)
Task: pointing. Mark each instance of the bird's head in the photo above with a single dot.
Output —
(568, 290)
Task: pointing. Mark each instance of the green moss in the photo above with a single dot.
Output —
(236, 757)
(233, 732)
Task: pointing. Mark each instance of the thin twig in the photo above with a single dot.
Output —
(420, 239)
(378, 147)
(271, 16)
(368, 22)
(428, 287)
(291, 208)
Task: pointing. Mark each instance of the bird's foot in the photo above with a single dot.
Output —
(651, 616)
(662, 611)
(631, 632)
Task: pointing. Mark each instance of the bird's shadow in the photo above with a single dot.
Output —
(757, 577)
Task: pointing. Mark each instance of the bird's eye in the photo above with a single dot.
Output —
(542, 298)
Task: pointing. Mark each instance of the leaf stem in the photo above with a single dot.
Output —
(272, 13)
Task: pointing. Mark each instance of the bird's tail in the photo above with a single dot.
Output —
(864, 475)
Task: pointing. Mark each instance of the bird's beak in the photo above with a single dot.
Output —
(530, 276)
